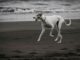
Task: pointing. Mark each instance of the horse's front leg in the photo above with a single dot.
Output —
(42, 32)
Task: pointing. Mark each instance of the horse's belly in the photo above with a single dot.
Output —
(48, 26)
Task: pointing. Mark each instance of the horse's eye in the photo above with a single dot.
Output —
(33, 17)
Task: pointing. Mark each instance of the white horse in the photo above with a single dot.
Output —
(51, 21)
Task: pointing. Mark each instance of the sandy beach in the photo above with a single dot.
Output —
(18, 41)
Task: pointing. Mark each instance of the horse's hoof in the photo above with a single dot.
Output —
(59, 42)
(55, 39)
(38, 40)
(52, 35)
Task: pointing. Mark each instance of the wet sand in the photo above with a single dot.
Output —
(18, 42)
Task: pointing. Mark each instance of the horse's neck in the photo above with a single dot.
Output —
(43, 19)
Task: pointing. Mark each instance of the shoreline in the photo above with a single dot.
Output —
(32, 25)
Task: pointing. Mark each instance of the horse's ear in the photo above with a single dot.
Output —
(44, 18)
(40, 13)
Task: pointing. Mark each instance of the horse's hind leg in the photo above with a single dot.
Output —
(59, 33)
(51, 31)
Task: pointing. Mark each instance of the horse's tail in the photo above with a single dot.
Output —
(68, 24)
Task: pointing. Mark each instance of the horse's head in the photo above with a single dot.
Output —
(38, 17)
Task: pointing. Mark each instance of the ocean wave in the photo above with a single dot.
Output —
(28, 10)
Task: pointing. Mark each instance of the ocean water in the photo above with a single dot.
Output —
(66, 9)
